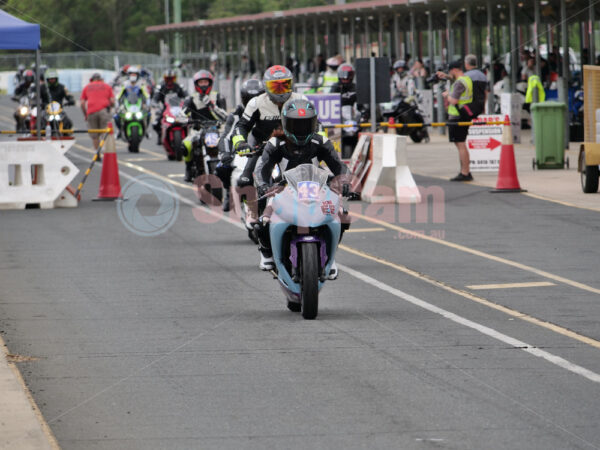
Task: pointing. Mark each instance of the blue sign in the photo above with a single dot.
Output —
(328, 108)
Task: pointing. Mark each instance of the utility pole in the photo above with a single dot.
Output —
(177, 19)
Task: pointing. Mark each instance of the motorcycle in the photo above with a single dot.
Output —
(406, 110)
(238, 166)
(134, 118)
(174, 130)
(22, 115)
(304, 228)
(54, 116)
(206, 153)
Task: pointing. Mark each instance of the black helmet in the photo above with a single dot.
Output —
(250, 89)
(345, 73)
(299, 121)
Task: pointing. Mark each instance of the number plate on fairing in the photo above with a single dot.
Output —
(308, 190)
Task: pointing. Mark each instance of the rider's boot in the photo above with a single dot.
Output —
(188, 178)
(333, 272)
(226, 201)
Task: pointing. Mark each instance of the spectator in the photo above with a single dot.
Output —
(528, 69)
(418, 70)
(97, 98)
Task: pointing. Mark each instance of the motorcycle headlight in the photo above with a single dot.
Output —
(23, 110)
(128, 115)
(138, 115)
(170, 120)
(50, 117)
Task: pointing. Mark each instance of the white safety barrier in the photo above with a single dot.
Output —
(390, 179)
(35, 172)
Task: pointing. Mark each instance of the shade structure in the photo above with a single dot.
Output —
(16, 34)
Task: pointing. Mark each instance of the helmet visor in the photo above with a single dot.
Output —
(301, 129)
(279, 86)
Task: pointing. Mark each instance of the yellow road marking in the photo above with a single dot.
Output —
(365, 230)
(511, 312)
(472, 251)
(143, 159)
(511, 285)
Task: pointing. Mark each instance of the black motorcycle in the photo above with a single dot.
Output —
(406, 111)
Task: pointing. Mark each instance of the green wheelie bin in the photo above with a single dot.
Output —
(549, 120)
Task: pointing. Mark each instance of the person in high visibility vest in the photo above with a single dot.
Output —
(330, 76)
(534, 83)
(460, 99)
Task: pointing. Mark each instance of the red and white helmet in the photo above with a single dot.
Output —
(278, 84)
(203, 75)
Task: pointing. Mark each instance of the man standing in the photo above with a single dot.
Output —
(96, 100)
(466, 100)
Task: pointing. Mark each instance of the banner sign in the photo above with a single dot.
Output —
(328, 108)
(484, 143)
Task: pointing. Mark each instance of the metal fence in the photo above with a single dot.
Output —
(106, 60)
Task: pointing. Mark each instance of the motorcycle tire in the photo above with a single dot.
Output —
(416, 136)
(134, 139)
(177, 144)
(309, 287)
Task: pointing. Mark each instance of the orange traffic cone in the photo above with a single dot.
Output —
(508, 180)
(110, 186)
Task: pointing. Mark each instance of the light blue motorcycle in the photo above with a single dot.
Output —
(305, 230)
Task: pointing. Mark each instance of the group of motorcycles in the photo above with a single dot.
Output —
(27, 114)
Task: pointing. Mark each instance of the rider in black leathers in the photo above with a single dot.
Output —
(301, 145)
(168, 86)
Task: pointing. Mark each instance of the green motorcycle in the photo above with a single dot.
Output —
(133, 116)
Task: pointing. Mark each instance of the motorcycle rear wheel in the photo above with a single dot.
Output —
(310, 280)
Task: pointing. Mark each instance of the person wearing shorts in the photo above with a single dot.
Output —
(460, 109)
(96, 100)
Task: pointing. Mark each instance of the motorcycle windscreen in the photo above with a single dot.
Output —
(306, 173)
(134, 102)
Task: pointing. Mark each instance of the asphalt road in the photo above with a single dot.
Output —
(179, 341)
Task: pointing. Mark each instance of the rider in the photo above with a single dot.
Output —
(203, 105)
(122, 77)
(132, 86)
(261, 118)
(23, 87)
(300, 145)
(57, 92)
(345, 85)
(330, 76)
(169, 86)
(250, 89)
(403, 84)
(18, 78)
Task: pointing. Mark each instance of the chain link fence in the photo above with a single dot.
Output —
(103, 60)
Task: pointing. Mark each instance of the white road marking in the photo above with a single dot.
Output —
(556, 360)
(511, 285)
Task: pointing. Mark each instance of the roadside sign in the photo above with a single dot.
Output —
(328, 108)
(484, 143)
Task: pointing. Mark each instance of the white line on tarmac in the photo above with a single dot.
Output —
(554, 359)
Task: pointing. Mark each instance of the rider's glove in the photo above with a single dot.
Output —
(262, 190)
(243, 149)
(345, 190)
(227, 159)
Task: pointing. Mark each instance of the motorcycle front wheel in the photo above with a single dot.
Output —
(177, 145)
(134, 139)
(310, 280)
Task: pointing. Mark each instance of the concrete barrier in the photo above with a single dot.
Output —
(34, 172)
(389, 179)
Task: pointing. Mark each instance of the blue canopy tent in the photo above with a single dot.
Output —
(16, 34)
